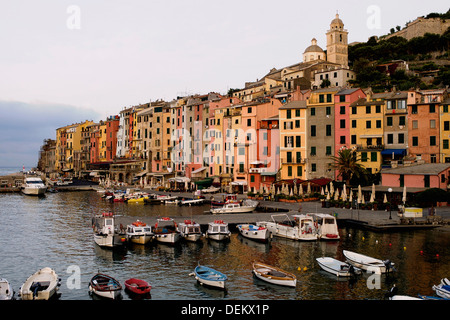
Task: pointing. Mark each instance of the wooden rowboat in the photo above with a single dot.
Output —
(137, 286)
(274, 275)
(210, 277)
(105, 286)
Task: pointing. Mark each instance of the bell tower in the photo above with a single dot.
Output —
(337, 42)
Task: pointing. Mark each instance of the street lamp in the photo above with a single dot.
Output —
(390, 201)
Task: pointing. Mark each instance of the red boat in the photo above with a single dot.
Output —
(138, 286)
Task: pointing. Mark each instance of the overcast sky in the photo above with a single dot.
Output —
(70, 61)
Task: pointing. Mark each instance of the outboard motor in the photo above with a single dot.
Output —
(391, 292)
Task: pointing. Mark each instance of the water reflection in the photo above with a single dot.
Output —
(56, 231)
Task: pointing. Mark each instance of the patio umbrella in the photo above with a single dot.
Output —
(328, 196)
(344, 195)
(385, 198)
(351, 196)
(295, 191)
(362, 200)
(336, 195)
(359, 194)
(321, 191)
(308, 190)
(404, 195)
(331, 188)
(344, 189)
(372, 197)
(300, 190)
(326, 189)
(291, 193)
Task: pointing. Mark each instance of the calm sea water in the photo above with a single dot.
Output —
(56, 231)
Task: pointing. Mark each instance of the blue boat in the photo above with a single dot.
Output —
(210, 277)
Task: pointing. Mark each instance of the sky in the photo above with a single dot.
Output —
(63, 62)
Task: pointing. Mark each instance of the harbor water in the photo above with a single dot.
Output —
(56, 231)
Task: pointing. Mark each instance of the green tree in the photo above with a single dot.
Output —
(347, 163)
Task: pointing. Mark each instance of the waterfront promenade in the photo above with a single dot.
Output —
(368, 219)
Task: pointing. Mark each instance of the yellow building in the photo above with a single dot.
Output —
(292, 121)
(445, 131)
(367, 133)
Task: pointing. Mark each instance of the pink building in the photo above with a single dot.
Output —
(428, 175)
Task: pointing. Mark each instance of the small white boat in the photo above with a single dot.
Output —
(139, 232)
(336, 267)
(33, 186)
(6, 290)
(218, 230)
(326, 225)
(191, 202)
(106, 234)
(244, 207)
(41, 285)
(274, 275)
(368, 263)
(302, 228)
(190, 230)
(443, 289)
(254, 232)
(210, 277)
(166, 231)
(105, 286)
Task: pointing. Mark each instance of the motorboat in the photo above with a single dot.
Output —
(245, 207)
(274, 275)
(254, 232)
(211, 189)
(218, 230)
(137, 286)
(105, 286)
(229, 198)
(443, 289)
(33, 186)
(6, 290)
(301, 228)
(326, 225)
(106, 234)
(139, 232)
(338, 268)
(368, 263)
(209, 277)
(166, 231)
(392, 294)
(137, 200)
(42, 285)
(190, 230)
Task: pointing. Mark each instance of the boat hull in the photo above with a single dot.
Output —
(168, 237)
(42, 285)
(34, 191)
(288, 232)
(141, 239)
(109, 240)
(210, 277)
(218, 236)
(137, 286)
(6, 290)
(274, 275)
(365, 263)
(254, 233)
(233, 210)
(105, 286)
(336, 267)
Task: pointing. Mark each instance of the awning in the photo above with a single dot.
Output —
(198, 170)
(371, 136)
(396, 152)
(141, 174)
(239, 183)
(180, 179)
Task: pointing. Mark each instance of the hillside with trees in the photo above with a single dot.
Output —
(427, 55)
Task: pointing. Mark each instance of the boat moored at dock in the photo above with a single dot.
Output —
(302, 228)
(190, 230)
(139, 232)
(106, 234)
(166, 231)
(33, 186)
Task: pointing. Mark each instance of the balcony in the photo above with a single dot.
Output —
(372, 147)
(293, 161)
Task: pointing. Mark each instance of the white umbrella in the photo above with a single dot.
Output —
(404, 195)
(321, 191)
(295, 191)
(336, 195)
(351, 196)
(344, 196)
(331, 188)
(372, 198)
(344, 190)
(328, 196)
(326, 189)
(300, 190)
(362, 200)
(308, 190)
(291, 193)
(385, 198)
(373, 193)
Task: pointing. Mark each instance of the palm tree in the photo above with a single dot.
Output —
(347, 164)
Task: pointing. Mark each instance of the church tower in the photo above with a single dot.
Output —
(337, 43)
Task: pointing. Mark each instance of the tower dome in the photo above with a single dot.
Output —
(337, 23)
(313, 52)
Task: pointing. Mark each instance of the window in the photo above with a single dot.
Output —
(414, 109)
(328, 130)
(377, 109)
(298, 141)
(297, 112)
(390, 139)
(402, 121)
(313, 111)
(313, 131)
(252, 178)
(328, 111)
(288, 114)
(445, 144)
(290, 171)
(353, 139)
(373, 156)
(445, 108)
(415, 141)
(378, 123)
(432, 108)
(363, 156)
(249, 110)
(368, 109)
(353, 123)
(432, 124)
(321, 98)
(401, 138)
(313, 151)
(313, 167)
(368, 124)
(415, 124)
(342, 109)
(432, 140)
(288, 157)
(389, 121)
(426, 181)
(433, 158)
(249, 122)
(354, 110)
(342, 98)
(297, 123)
(329, 98)
(446, 125)
(342, 140)
(342, 123)
(299, 157)
(299, 171)
(328, 151)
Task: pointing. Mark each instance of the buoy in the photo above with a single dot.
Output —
(299, 268)
(363, 238)
(404, 248)
(305, 268)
